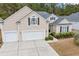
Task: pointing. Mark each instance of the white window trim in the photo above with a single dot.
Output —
(52, 18)
(36, 21)
(64, 28)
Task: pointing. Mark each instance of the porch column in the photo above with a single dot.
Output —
(18, 31)
(47, 31)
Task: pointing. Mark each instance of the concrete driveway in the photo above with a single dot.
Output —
(27, 48)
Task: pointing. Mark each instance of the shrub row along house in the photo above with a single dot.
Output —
(26, 24)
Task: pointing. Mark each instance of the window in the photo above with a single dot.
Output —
(33, 20)
(52, 18)
(64, 28)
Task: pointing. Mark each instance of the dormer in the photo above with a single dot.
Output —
(52, 18)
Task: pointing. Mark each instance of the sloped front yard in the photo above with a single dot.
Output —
(66, 47)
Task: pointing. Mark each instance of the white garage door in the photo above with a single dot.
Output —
(33, 35)
(10, 36)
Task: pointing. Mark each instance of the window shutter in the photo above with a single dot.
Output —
(38, 21)
(28, 21)
(60, 28)
(67, 29)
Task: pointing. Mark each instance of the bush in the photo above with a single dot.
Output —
(49, 37)
(63, 35)
(76, 39)
(53, 33)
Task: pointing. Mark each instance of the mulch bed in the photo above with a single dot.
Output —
(65, 47)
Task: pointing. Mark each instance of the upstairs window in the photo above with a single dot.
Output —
(33, 20)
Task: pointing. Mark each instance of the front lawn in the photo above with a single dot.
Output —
(66, 47)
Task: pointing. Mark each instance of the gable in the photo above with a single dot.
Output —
(61, 21)
(53, 16)
(64, 21)
(18, 15)
(34, 14)
(21, 15)
(24, 23)
(54, 19)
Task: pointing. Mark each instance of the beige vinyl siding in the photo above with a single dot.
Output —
(22, 16)
(52, 28)
(43, 25)
(10, 27)
(10, 22)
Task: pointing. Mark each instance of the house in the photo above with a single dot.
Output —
(25, 24)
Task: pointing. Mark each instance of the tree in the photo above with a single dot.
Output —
(6, 9)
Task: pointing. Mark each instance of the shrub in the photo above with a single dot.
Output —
(76, 39)
(49, 37)
(63, 35)
(58, 35)
(53, 33)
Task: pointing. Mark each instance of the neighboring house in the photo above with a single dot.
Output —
(25, 24)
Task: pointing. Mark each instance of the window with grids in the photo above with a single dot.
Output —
(33, 20)
(52, 18)
(64, 28)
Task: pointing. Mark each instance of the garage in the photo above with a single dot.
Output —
(10, 36)
(33, 35)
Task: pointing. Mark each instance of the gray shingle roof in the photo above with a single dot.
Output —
(43, 14)
(58, 20)
(74, 17)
